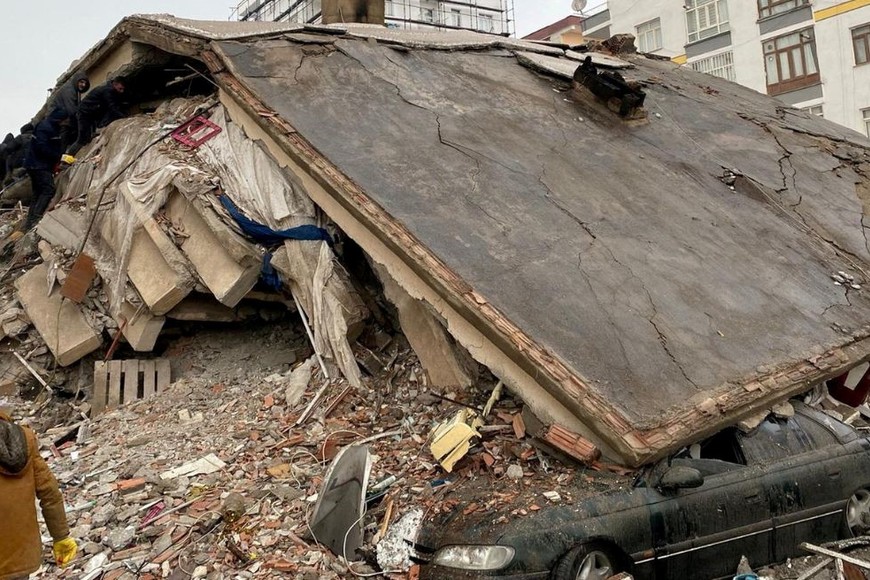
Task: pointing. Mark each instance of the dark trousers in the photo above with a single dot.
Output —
(69, 133)
(87, 126)
(42, 182)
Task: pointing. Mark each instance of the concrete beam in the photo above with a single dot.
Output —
(62, 227)
(60, 322)
(438, 353)
(227, 278)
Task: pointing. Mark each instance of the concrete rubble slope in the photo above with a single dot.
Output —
(639, 288)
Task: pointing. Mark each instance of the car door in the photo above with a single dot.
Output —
(805, 465)
(703, 532)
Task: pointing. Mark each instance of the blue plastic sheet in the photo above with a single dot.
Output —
(267, 236)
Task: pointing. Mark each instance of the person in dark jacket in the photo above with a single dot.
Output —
(4, 154)
(24, 477)
(42, 157)
(100, 107)
(68, 97)
(17, 150)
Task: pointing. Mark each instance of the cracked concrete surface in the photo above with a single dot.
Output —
(616, 248)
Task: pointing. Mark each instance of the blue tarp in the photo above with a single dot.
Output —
(267, 236)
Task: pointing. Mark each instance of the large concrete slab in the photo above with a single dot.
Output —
(616, 272)
(227, 278)
(60, 322)
(611, 262)
(160, 286)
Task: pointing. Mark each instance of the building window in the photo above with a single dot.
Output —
(718, 65)
(866, 114)
(790, 61)
(485, 23)
(772, 7)
(428, 15)
(649, 36)
(706, 18)
(455, 17)
(861, 44)
(816, 110)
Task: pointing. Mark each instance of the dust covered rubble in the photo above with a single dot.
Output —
(248, 517)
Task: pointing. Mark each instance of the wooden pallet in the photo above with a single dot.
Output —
(118, 382)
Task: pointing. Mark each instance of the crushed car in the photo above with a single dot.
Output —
(757, 494)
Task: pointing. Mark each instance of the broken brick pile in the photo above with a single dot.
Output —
(245, 514)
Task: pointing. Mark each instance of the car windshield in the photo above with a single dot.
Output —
(773, 440)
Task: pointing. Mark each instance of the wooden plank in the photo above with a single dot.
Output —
(149, 385)
(836, 555)
(79, 279)
(114, 398)
(131, 381)
(163, 374)
(98, 399)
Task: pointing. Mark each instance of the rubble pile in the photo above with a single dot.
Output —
(215, 477)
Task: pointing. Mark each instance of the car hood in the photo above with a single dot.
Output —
(486, 512)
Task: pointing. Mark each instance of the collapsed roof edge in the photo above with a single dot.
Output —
(523, 359)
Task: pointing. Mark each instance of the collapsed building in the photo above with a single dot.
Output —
(643, 254)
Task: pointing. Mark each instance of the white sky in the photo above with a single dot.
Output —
(39, 39)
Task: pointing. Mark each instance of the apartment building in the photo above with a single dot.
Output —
(492, 16)
(811, 54)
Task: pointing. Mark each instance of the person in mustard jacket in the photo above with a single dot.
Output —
(24, 477)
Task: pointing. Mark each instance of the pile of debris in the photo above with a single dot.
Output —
(218, 474)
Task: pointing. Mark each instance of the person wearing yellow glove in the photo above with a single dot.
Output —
(25, 477)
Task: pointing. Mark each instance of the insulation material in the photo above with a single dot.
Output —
(263, 191)
(252, 179)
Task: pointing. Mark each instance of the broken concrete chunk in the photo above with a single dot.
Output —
(208, 464)
(395, 550)
(437, 351)
(60, 322)
(752, 422)
(783, 410)
(62, 227)
(225, 277)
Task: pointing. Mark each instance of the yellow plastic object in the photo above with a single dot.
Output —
(451, 439)
(68, 159)
(64, 551)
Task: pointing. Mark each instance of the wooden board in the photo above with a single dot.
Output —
(120, 382)
(100, 385)
(79, 279)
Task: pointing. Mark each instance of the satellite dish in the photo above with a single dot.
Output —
(578, 5)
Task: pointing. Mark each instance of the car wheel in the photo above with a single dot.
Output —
(858, 513)
(595, 561)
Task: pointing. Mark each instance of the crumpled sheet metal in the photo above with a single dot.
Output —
(337, 520)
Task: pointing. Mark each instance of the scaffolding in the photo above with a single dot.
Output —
(491, 16)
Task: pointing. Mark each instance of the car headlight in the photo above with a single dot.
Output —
(474, 557)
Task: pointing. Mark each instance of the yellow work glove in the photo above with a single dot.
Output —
(64, 551)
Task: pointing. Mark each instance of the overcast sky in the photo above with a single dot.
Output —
(39, 39)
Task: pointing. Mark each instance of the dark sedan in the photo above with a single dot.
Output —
(693, 515)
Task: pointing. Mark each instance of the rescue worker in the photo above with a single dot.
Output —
(68, 97)
(15, 153)
(24, 477)
(42, 157)
(4, 154)
(98, 108)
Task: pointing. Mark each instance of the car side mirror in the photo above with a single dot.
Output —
(680, 477)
